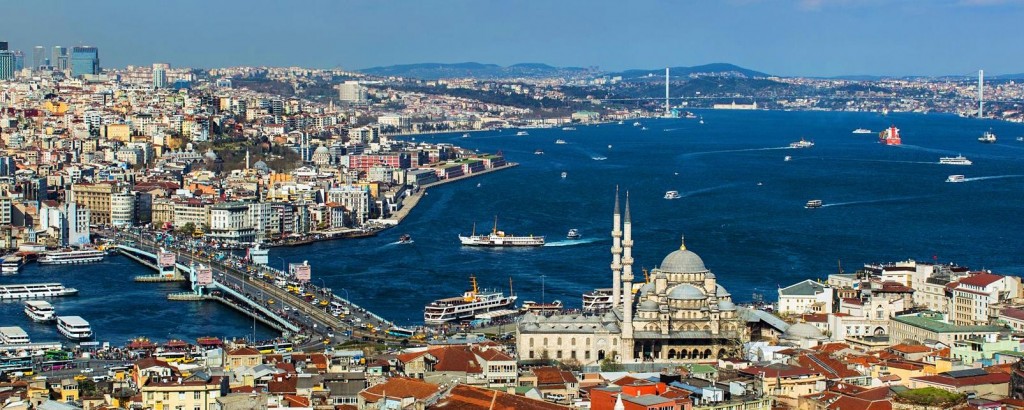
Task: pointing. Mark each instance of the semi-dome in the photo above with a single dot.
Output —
(648, 306)
(726, 305)
(685, 292)
(720, 291)
(646, 288)
(682, 261)
(321, 150)
(802, 331)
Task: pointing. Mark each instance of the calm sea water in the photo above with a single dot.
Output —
(882, 204)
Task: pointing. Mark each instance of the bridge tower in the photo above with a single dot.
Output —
(165, 263)
(199, 277)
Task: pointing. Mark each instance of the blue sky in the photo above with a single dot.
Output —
(797, 37)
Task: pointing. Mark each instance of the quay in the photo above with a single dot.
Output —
(413, 199)
(239, 285)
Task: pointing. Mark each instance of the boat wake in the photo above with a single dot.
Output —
(992, 177)
(598, 158)
(874, 201)
(706, 190)
(920, 148)
(571, 242)
(671, 129)
(690, 154)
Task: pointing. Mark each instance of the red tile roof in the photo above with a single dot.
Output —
(847, 402)
(981, 279)
(1013, 313)
(827, 366)
(908, 348)
(991, 378)
(778, 370)
(397, 387)
(553, 376)
(244, 351)
(463, 397)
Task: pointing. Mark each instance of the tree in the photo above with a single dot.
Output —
(609, 364)
(187, 229)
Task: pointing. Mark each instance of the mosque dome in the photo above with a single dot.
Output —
(802, 331)
(720, 291)
(682, 261)
(686, 292)
(646, 288)
(726, 305)
(210, 154)
(260, 165)
(321, 150)
(648, 306)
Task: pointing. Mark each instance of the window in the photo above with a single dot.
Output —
(558, 354)
(586, 355)
(196, 396)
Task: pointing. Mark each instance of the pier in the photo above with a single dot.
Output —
(248, 289)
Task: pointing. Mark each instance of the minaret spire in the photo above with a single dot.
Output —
(616, 253)
(627, 274)
(628, 219)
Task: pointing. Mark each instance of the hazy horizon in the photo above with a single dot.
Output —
(798, 38)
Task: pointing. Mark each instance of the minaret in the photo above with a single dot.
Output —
(246, 159)
(668, 112)
(627, 274)
(616, 253)
(981, 93)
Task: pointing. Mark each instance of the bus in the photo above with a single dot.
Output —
(57, 355)
(175, 357)
(54, 365)
(283, 347)
(19, 370)
(399, 332)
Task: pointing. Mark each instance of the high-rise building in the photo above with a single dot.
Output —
(38, 55)
(19, 60)
(160, 74)
(6, 64)
(85, 60)
(352, 92)
(59, 58)
(3, 46)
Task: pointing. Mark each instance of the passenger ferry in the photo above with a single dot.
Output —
(68, 256)
(568, 128)
(891, 136)
(35, 290)
(522, 134)
(499, 238)
(13, 335)
(955, 178)
(467, 306)
(814, 203)
(957, 160)
(672, 195)
(861, 131)
(530, 306)
(597, 300)
(573, 234)
(988, 137)
(11, 264)
(74, 327)
(40, 311)
(801, 144)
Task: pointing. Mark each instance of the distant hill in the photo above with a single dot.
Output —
(432, 71)
(722, 69)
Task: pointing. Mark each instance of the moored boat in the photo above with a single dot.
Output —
(40, 311)
(500, 239)
(530, 306)
(13, 335)
(11, 264)
(74, 327)
(69, 256)
(467, 306)
(35, 290)
(597, 300)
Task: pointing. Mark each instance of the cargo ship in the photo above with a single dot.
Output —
(891, 136)
(470, 304)
(499, 238)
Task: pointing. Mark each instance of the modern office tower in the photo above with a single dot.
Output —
(19, 60)
(3, 46)
(85, 60)
(160, 74)
(59, 58)
(352, 92)
(6, 64)
(38, 55)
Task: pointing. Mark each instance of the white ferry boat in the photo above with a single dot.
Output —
(13, 335)
(988, 137)
(573, 234)
(955, 178)
(11, 264)
(522, 134)
(35, 290)
(672, 195)
(597, 300)
(560, 142)
(862, 131)
(538, 152)
(68, 256)
(568, 128)
(74, 327)
(814, 203)
(40, 311)
(801, 144)
(957, 160)
(500, 239)
(467, 306)
(530, 306)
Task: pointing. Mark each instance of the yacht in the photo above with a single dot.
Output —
(467, 306)
(39, 310)
(68, 256)
(862, 131)
(573, 234)
(801, 144)
(814, 203)
(955, 178)
(11, 264)
(522, 134)
(13, 335)
(672, 195)
(74, 327)
(35, 290)
(988, 137)
(560, 142)
(957, 160)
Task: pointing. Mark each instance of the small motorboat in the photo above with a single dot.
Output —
(573, 234)
(405, 238)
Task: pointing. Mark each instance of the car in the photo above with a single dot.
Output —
(87, 370)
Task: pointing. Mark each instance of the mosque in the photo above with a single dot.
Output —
(681, 315)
